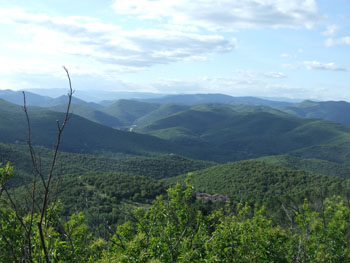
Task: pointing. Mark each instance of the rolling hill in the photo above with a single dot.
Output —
(262, 183)
(105, 198)
(192, 99)
(213, 132)
(80, 136)
(224, 134)
(336, 111)
(308, 164)
(156, 167)
(34, 99)
(127, 111)
(91, 114)
(16, 97)
(165, 110)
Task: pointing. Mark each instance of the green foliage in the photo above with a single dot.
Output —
(321, 236)
(242, 238)
(71, 242)
(165, 234)
(103, 198)
(157, 167)
(179, 228)
(258, 182)
(171, 231)
(308, 164)
(5, 173)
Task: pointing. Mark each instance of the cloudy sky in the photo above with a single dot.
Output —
(266, 48)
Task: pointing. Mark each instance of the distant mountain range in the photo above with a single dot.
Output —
(33, 99)
(191, 99)
(97, 96)
(125, 109)
(211, 131)
(81, 135)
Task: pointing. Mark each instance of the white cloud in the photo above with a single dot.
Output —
(337, 41)
(315, 65)
(274, 75)
(225, 14)
(285, 55)
(251, 74)
(331, 30)
(110, 47)
(323, 66)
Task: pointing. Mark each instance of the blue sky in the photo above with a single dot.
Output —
(267, 48)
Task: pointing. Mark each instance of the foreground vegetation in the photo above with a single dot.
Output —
(179, 228)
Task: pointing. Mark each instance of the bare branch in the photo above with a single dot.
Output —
(53, 163)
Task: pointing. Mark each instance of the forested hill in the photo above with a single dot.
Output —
(81, 135)
(157, 167)
(337, 111)
(212, 132)
(335, 169)
(91, 114)
(226, 135)
(258, 182)
(105, 198)
(192, 99)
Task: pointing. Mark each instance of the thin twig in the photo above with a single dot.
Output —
(60, 129)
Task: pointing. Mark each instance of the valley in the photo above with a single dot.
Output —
(121, 156)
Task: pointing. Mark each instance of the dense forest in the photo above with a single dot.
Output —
(175, 179)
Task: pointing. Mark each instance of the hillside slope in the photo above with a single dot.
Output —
(192, 99)
(225, 134)
(127, 111)
(258, 182)
(91, 114)
(80, 136)
(336, 111)
(162, 166)
(308, 164)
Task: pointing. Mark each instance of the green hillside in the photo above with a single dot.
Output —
(223, 134)
(163, 166)
(262, 183)
(127, 111)
(130, 112)
(91, 114)
(105, 198)
(142, 113)
(192, 99)
(163, 111)
(213, 132)
(311, 165)
(80, 136)
(33, 99)
(16, 97)
(337, 111)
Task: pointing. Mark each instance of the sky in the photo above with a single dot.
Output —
(265, 48)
